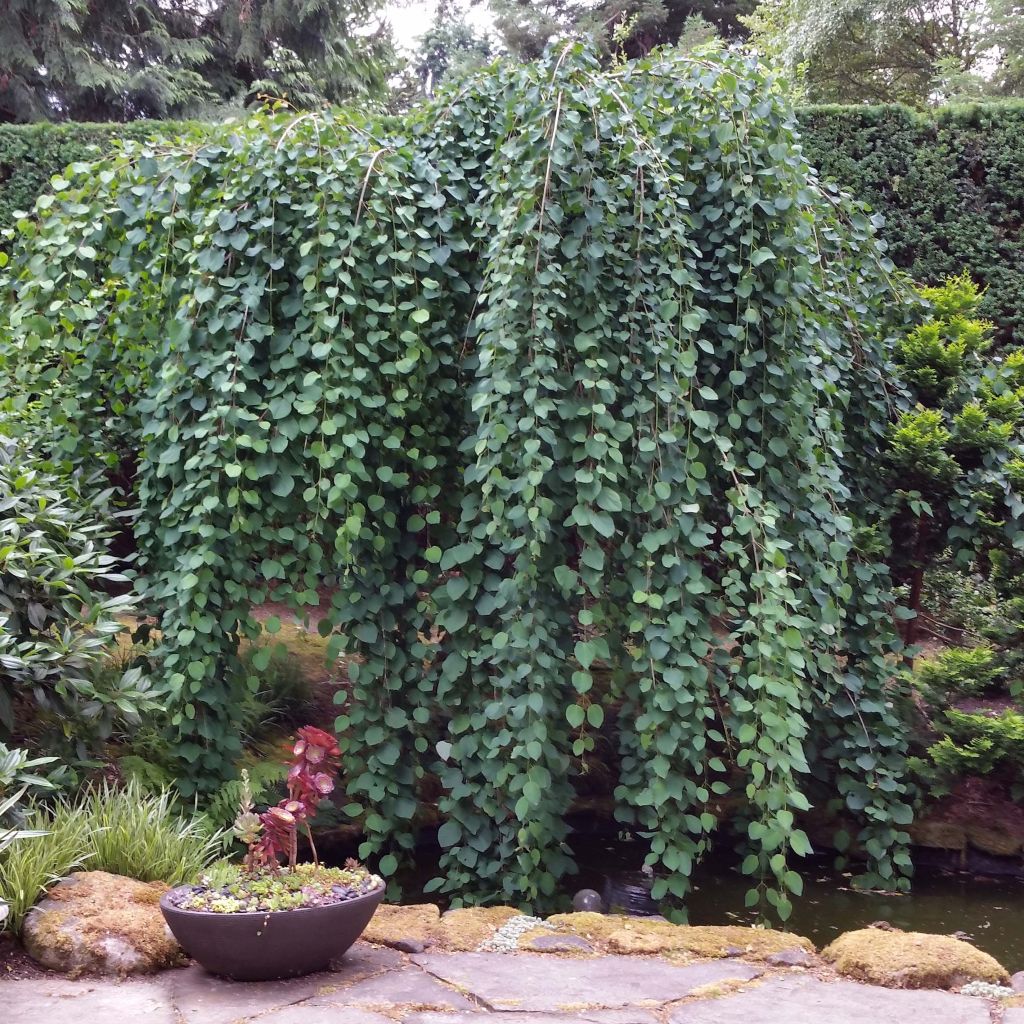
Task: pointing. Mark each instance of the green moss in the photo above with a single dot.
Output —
(898, 959)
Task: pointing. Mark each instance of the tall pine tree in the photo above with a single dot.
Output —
(125, 59)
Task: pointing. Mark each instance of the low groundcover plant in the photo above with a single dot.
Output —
(259, 884)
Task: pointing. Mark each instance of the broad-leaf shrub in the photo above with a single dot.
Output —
(571, 369)
(56, 624)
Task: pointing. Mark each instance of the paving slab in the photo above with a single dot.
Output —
(60, 1001)
(503, 982)
(810, 1001)
(303, 1013)
(410, 987)
(203, 998)
(621, 1015)
(1013, 1015)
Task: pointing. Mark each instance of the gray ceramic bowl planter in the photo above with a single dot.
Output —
(265, 945)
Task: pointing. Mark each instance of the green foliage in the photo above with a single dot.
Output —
(126, 59)
(632, 27)
(889, 51)
(284, 696)
(28, 869)
(960, 671)
(55, 622)
(950, 460)
(140, 834)
(266, 779)
(950, 185)
(572, 371)
(123, 830)
(976, 744)
(19, 776)
(449, 46)
(30, 155)
(960, 604)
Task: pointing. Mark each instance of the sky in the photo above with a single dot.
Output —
(411, 18)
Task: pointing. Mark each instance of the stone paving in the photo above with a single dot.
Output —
(375, 985)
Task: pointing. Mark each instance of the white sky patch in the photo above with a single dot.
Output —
(411, 18)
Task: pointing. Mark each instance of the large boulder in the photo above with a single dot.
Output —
(100, 923)
(899, 959)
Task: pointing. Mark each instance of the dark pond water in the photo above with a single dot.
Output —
(990, 911)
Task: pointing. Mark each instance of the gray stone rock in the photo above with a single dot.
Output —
(791, 958)
(409, 987)
(545, 984)
(1017, 981)
(806, 1000)
(58, 1001)
(410, 946)
(559, 944)
(98, 923)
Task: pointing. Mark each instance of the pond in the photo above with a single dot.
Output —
(990, 911)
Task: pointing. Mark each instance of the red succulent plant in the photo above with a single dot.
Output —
(314, 767)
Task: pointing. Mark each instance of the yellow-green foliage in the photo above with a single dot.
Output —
(124, 831)
(30, 867)
(959, 670)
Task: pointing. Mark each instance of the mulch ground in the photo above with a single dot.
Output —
(16, 964)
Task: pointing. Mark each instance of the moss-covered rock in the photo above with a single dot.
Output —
(100, 923)
(468, 928)
(422, 924)
(403, 927)
(911, 960)
(616, 934)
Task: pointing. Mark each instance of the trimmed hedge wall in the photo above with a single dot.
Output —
(31, 154)
(950, 183)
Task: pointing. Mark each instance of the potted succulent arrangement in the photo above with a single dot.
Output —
(265, 920)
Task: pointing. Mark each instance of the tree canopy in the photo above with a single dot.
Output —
(125, 59)
(633, 27)
(884, 51)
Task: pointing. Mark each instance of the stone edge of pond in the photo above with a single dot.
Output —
(882, 956)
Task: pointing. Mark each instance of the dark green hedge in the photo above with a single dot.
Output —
(31, 154)
(950, 183)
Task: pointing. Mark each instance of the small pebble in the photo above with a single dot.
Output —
(986, 990)
(506, 938)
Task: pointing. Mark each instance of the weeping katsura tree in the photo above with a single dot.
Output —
(567, 382)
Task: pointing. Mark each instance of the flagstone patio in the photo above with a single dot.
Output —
(376, 985)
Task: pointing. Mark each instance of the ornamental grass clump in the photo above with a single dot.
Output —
(259, 884)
